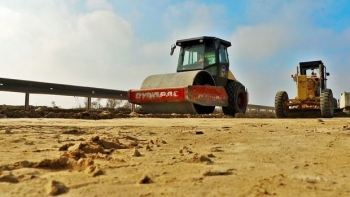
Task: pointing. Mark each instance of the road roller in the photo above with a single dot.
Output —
(202, 81)
(313, 97)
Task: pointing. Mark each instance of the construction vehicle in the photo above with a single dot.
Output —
(312, 92)
(344, 103)
(202, 82)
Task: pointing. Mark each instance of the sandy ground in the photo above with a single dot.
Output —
(175, 157)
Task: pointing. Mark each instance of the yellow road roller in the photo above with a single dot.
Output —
(203, 81)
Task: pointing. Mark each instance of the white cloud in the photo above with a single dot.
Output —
(96, 48)
(261, 41)
(190, 18)
(9, 21)
(98, 4)
(84, 41)
(98, 37)
(89, 49)
(59, 41)
(279, 37)
(289, 12)
(278, 27)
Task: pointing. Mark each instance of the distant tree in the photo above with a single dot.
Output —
(96, 104)
(113, 103)
(127, 105)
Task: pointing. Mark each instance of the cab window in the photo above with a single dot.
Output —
(210, 53)
(223, 56)
(190, 57)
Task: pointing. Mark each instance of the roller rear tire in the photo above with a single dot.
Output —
(237, 98)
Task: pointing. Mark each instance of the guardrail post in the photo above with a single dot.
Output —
(88, 103)
(26, 102)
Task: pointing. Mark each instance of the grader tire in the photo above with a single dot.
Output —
(281, 108)
(327, 103)
(237, 98)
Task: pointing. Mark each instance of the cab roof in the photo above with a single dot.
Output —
(310, 64)
(199, 40)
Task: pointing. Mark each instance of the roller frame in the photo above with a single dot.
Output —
(198, 94)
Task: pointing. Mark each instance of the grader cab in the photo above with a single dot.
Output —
(312, 92)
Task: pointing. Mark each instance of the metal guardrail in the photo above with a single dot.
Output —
(34, 87)
(259, 108)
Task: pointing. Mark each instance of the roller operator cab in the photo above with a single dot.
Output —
(204, 53)
(202, 82)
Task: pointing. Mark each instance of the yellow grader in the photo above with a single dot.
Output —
(312, 92)
(202, 81)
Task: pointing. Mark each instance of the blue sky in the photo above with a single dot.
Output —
(116, 44)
